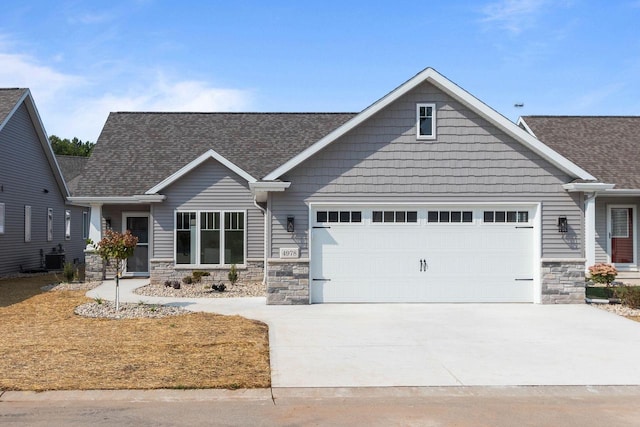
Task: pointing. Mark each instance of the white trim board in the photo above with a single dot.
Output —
(210, 154)
(459, 94)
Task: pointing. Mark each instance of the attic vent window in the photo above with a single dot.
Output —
(426, 121)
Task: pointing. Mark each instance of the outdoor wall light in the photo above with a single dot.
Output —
(563, 226)
(290, 224)
(45, 191)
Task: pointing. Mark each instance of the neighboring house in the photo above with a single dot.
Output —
(38, 229)
(609, 148)
(428, 195)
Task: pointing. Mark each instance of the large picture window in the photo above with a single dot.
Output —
(210, 238)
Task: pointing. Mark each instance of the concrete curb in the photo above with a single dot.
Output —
(265, 394)
(163, 395)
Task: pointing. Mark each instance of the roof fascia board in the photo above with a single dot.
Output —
(461, 95)
(512, 129)
(136, 199)
(14, 109)
(42, 136)
(211, 154)
(521, 122)
(588, 186)
(262, 186)
(358, 119)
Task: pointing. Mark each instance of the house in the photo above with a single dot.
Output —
(38, 229)
(427, 195)
(609, 148)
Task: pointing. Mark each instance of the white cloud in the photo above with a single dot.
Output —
(78, 105)
(514, 16)
(44, 82)
(89, 114)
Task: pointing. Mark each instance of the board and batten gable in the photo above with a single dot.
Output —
(469, 161)
(25, 174)
(210, 186)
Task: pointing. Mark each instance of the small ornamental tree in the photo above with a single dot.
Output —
(117, 247)
(603, 273)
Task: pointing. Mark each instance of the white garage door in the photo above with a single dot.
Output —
(405, 254)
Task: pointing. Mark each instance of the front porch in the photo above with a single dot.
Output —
(612, 234)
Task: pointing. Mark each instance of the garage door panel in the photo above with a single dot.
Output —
(472, 262)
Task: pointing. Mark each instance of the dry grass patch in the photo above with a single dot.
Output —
(44, 346)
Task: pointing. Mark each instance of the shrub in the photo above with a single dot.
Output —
(175, 284)
(187, 280)
(197, 275)
(219, 288)
(629, 295)
(69, 271)
(233, 274)
(603, 273)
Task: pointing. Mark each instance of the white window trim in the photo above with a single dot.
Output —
(2, 215)
(223, 264)
(27, 223)
(49, 224)
(85, 225)
(67, 225)
(433, 120)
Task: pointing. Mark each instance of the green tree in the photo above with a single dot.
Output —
(117, 247)
(74, 147)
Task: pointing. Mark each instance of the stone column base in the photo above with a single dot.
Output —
(94, 266)
(288, 282)
(563, 281)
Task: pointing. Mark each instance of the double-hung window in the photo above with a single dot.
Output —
(426, 121)
(210, 237)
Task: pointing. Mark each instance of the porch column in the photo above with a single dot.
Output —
(95, 225)
(590, 230)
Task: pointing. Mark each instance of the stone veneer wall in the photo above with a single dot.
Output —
(95, 269)
(288, 282)
(94, 266)
(164, 269)
(563, 281)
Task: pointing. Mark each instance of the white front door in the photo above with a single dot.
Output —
(439, 254)
(138, 224)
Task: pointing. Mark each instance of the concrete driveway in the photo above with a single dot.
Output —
(381, 345)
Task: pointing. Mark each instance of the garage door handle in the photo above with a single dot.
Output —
(530, 226)
(524, 280)
(319, 226)
(423, 265)
(321, 280)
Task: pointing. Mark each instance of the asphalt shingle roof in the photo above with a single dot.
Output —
(608, 147)
(8, 100)
(136, 151)
(71, 168)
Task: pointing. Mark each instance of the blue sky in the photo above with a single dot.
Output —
(83, 59)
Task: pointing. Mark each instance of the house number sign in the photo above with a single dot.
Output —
(289, 253)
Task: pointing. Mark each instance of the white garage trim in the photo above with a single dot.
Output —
(438, 230)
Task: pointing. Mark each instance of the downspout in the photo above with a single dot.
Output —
(265, 242)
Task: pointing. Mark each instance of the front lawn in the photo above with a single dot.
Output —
(45, 346)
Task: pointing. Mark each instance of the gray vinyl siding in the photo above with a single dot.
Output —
(470, 161)
(24, 175)
(211, 186)
(602, 204)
